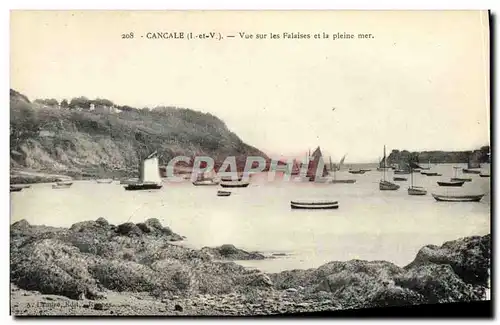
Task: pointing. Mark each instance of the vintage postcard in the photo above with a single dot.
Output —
(244, 163)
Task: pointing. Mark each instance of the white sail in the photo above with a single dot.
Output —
(150, 171)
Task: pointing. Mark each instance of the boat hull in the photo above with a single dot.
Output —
(451, 184)
(388, 186)
(458, 179)
(400, 179)
(104, 181)
(431, 174)
(61, 186)
(138, 187)
(343, 181)
(314, 205)
(471, 171)
(227, 185)
(204, 183)
(223, 193)
(416, 191)
(15, 189)
(458, 198)
(356, 172)
(484, 175)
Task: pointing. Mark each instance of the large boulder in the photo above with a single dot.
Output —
(230, 252)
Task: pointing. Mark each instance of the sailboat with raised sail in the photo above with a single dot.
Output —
(149, 175)
(385, 185)
(415, 190)
(315, 165)
(383, 164)
(334, 170)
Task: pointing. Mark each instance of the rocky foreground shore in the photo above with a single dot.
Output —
(95, 268)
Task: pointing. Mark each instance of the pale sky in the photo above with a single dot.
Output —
(421, 84)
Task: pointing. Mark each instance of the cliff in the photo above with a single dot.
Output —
(81, 142)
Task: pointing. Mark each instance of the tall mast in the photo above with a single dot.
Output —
(384, 162)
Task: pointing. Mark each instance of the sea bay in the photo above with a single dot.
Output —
(370, 224)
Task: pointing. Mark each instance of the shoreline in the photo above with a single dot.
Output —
(94, 268)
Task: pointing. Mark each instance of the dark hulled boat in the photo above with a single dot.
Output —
(451, 183)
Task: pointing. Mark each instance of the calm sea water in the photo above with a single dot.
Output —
(369, 224)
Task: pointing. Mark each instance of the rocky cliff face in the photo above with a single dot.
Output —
(79, 142)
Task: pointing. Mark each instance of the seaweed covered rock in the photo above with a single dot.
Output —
(468, 257)
(94, 256)
(53, 267)
(438, 284)
(453, 272)
(230, 252)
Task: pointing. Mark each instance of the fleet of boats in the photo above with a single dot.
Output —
(150, 179)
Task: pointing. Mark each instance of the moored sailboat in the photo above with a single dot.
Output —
(473, 165)
(334, 170)
(205, 180)
(415, 190)
(458, 179)
(316, 171)
(149, 178)
(385, 185)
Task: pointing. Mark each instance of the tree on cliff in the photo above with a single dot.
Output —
(48, 102)
(64, 103)
(82, 102)
(102, 102)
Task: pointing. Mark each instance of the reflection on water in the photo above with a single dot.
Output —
(369, 224)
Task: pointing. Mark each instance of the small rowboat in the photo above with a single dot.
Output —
(430, 174)
(452, 183)
(104, 181)
(484, 175)
(314, 204)
(234, 184)
(471, 171)
(343, 181)
(15, 189)
(365, 170)
(223, 193)
(459, 179)
(60, 186)
(21, 186)
(143, 186)
(205, 182)
(356, 171)
(458, 198)
(400, 179)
